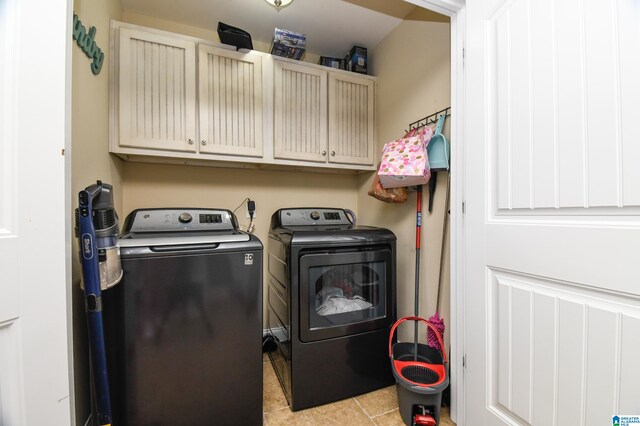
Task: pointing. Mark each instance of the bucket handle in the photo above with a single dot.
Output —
(413, 318)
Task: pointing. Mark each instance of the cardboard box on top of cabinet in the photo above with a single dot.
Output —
(332, 62)
(356, 60)
(288, 44)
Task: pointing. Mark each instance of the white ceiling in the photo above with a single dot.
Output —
(331, 26)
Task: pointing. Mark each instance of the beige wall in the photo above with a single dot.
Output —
(90, 161)
(413, 69)
(90, 104)
(412, 66)
(203, 33)
(160, 185)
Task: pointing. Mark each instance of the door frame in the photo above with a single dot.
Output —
(38, 389)
(455, 10)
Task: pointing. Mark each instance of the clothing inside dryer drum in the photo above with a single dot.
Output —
(348, 288)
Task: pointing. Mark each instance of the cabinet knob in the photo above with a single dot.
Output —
(333, 153)
(190, 141)
(324, 152)
(203, 142)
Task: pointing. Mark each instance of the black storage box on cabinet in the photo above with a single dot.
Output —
(356, 60)
(234, 36)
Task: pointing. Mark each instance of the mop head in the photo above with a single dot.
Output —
(438, 324)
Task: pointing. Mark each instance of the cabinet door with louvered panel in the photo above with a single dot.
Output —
(351, 119)
(156, 91)
(300, 112)
(230, 88)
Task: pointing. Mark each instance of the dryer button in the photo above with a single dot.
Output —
(185, 218)
(315, 215)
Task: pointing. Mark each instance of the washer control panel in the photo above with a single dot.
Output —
(167, 220)
(313, 216)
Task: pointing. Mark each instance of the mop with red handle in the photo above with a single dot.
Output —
(420, 370)
(435, 319)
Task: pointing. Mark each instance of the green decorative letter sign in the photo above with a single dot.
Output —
(87, 43)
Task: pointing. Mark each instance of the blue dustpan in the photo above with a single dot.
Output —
(438, 148)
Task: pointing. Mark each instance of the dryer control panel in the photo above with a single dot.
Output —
(311, 217)
(179, 219)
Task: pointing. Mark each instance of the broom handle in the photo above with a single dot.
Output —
(417, 289)
(444, 237)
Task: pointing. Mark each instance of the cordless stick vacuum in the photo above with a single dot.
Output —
(97, 231)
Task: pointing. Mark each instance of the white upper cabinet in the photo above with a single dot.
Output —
(179, 99)
(322, 115)
(156, 91)
(300, 112)
(230, 103)
(351, 119)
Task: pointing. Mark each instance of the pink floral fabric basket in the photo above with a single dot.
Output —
(405, 162)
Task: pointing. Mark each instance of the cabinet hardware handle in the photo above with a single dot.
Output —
(324, 152)
(333, 153)
(190, 141)
(203, 142)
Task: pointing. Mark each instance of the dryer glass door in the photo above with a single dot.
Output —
(344, 293)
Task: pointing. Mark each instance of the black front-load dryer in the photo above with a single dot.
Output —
(331, 303)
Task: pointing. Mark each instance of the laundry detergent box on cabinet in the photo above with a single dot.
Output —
(405, 162)
(288, 44)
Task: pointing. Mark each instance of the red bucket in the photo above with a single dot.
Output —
(420, 377)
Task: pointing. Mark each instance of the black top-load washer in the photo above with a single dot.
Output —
(184, 326)
(331, 303)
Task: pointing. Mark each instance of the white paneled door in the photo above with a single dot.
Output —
(34, 362)
(552, 226)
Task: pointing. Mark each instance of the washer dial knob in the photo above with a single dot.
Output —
(315, 215)
(185, 218)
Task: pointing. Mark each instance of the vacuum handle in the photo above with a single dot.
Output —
(435, 330)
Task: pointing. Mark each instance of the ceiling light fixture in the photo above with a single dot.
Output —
(279, 3)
